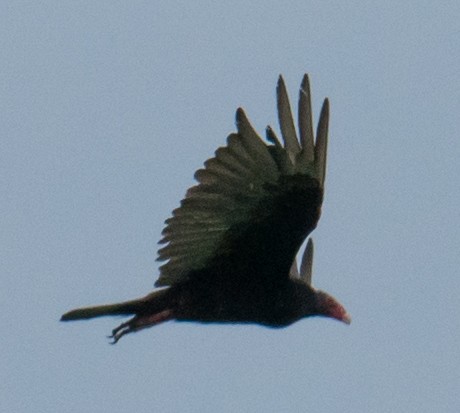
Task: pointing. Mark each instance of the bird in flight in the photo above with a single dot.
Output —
(230, 248)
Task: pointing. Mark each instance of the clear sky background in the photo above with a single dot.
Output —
(108, 107)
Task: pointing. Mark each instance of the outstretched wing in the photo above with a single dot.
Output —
(254, 203)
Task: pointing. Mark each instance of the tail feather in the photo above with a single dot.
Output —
(152, 303)
(153, 309)
(125, 308)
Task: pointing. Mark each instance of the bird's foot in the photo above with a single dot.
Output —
(138, 323)
(121, 330)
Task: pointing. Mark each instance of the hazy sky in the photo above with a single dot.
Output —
(108, 107)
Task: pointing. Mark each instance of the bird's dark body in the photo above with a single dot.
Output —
(273, 307)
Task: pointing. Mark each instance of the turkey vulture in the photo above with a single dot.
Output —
(230, 247)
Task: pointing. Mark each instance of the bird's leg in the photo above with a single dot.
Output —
(140, 322)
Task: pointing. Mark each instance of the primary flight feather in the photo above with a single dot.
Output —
(230, 248)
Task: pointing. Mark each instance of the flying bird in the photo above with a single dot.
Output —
(229, 250)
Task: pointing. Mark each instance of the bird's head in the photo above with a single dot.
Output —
(328, 306)
(322, 304)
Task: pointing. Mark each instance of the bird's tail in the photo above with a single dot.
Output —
(125, 308)
(154, 302)
(150, 310)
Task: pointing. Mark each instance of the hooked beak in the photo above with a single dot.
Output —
(346, 318)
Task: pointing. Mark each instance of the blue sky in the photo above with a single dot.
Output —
(108, 108)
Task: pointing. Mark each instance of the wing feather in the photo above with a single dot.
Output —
(306, 266)
(306, 120)
(252, 199)
(321, 142)
(286, 121)
(294, 271)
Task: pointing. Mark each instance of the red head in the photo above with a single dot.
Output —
(328, 306)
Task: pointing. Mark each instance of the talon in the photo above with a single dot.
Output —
(139, 322)
(120, 327)
(119, 334)
(121, 330)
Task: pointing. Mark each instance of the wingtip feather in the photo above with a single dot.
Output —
(322, 141)
(286, 121)
(306, 267)
(305, 120)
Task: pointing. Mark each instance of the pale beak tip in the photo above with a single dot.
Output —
(347, 319)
